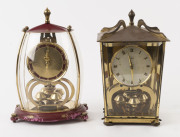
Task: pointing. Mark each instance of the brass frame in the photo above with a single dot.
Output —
(113, 39)
(104, 85)
(17, 65)
(69, 28)
(137, 119)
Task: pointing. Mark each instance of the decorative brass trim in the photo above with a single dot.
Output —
(114, 89)
(131, 117)
(131, 17)
(150, 29)
(131, 33)
(35, 83)
(71, 85)
(114, 28)
(47, 13)
(105, 32)
(132, 120)
(29, 92)
(69, 28)
(17, 65)
(104, 84)
(161, 73)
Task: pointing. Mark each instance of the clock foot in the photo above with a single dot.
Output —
(14, 117)
(108, 124)
(155, 123)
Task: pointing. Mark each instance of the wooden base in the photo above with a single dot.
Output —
(77, 113)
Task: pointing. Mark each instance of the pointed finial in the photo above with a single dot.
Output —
(25, 29)
(47, 13)
(69, 28)
(131, 17)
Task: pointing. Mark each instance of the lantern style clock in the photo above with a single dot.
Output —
(132, 65)
(48, 75)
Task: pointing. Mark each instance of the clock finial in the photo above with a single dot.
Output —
(131, 17)
(47, 13)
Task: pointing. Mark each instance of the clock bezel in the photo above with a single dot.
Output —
(136, 46)
(64, 58)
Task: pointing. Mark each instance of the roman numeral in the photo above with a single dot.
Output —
(147, 66)
(123, 52)
(123, 80)
(145, 74)
(139, 52)
(117, 58)
(139, 80)
(115, 66)
(117, 74)
(131, 50)
(145, 58)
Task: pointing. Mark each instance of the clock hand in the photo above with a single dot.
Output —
(47, 58)
(131, 67)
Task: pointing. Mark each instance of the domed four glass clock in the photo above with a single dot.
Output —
(48, 75)
(132, 65)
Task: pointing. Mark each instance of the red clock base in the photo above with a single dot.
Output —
(77, 113)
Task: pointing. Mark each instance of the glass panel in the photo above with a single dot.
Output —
(47, 72)
(132, 78)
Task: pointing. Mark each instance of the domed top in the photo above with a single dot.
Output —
(47, 27)
(122, 33)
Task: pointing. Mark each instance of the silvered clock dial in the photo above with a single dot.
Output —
(131, 65)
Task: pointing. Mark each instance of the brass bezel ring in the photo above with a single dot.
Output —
(125, 48)
(62, 71)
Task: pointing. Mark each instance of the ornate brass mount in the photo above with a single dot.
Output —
(130, 102)
(47, 13)
(50, 97)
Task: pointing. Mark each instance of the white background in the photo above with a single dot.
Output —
(87, 19)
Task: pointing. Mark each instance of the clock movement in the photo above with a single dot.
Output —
(132, 64)
(48, 75)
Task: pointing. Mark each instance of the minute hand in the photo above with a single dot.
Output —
(131, 67)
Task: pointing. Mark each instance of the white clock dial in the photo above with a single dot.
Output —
(131, 65)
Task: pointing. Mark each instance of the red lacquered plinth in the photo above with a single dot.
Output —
(78, 113)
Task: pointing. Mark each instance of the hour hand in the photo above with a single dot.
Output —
(130, 62)
(47, 58)
(131, 67)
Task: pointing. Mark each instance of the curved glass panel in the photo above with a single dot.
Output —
(132, 78)
(47, 73)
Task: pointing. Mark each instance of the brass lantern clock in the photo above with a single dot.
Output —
(132, 65)
(48, 75)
